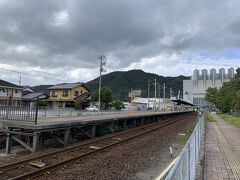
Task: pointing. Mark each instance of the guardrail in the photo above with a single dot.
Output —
(186, 163)
(18, 113)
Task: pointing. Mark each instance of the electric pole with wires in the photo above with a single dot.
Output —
(103, 61)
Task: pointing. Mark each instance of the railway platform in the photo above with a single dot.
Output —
(222, 150)
(32, 135)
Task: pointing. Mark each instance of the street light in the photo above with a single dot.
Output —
(103, 61)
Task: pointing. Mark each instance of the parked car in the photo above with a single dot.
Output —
(92, 108)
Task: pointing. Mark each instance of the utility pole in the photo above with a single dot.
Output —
(102, 63)
(170, 93)
(159, 91)
(155, 94)
(164, 96)
(148, 92)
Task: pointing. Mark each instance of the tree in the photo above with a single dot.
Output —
(211, 95)
(227, 98)
(106, 97)
(238, 73)
(80, 104)
(118, 104)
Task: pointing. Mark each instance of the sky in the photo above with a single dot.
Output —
(52, 41)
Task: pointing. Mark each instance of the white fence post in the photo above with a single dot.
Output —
(188, 158)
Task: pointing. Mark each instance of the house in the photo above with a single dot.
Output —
(33, 97)
(27, 90)
(65, 94)
(10, 94)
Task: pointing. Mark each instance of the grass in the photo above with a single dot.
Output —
(208, 117)
(182, 139)
(231, 119)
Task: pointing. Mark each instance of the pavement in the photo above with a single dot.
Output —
(222, 151)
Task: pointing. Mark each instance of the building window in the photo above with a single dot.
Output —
(81, 91)
(76, 93)
(54, 93)
(65, 93)
(2, 90)
(16, 91)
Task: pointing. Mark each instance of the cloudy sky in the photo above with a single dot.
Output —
(52, 41)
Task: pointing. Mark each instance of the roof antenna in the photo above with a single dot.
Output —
(20, 80)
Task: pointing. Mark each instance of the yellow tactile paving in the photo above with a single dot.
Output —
(232, 159)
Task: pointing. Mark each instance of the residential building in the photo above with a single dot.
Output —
(27, 90)
(33, 97)
(194, 90)
(10, 94)
(65, 94)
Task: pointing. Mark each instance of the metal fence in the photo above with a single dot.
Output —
(18, 113)
(185, 166)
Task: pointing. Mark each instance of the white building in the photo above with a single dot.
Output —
(194, 90)
(149, 103)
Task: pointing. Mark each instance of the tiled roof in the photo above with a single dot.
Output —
(66, 86)
(8, 84)
(34, 95)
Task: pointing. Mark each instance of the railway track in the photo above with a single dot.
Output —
(53, 160)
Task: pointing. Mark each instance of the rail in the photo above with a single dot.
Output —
(185, 165)
(75, 152)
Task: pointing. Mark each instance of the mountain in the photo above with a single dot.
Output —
(121, 83)
(41, 88)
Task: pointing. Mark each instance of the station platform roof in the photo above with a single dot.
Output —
(181, 101)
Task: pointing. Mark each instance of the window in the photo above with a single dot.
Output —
(81, 91)
(16, 91)
(65, 93)
(76, 93)
(2, 90)
(54, 93)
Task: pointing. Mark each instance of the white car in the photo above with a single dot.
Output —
(92, 108)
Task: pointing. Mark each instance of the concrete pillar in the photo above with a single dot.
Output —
(42, 136)
(66, 136)
(28, 140)
(125, 124)
(8, 143)
(112, 124)
(35, 141)
(135, 122)
(93, 133)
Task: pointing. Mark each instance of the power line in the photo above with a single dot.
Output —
(19, 72)
(36, 70)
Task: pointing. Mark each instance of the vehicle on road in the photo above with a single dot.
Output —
(92, 108)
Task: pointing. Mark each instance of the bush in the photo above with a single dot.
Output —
(118, 105)
(80, 104)
(42, 103)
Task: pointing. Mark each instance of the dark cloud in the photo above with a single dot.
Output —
(54, 34)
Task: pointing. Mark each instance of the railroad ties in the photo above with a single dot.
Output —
(37, 166)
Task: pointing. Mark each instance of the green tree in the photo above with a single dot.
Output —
(118, 104)
(80, 104)
(227, 98)
(212, 95)
(106, 97)
(238, 73)
(42, 103)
